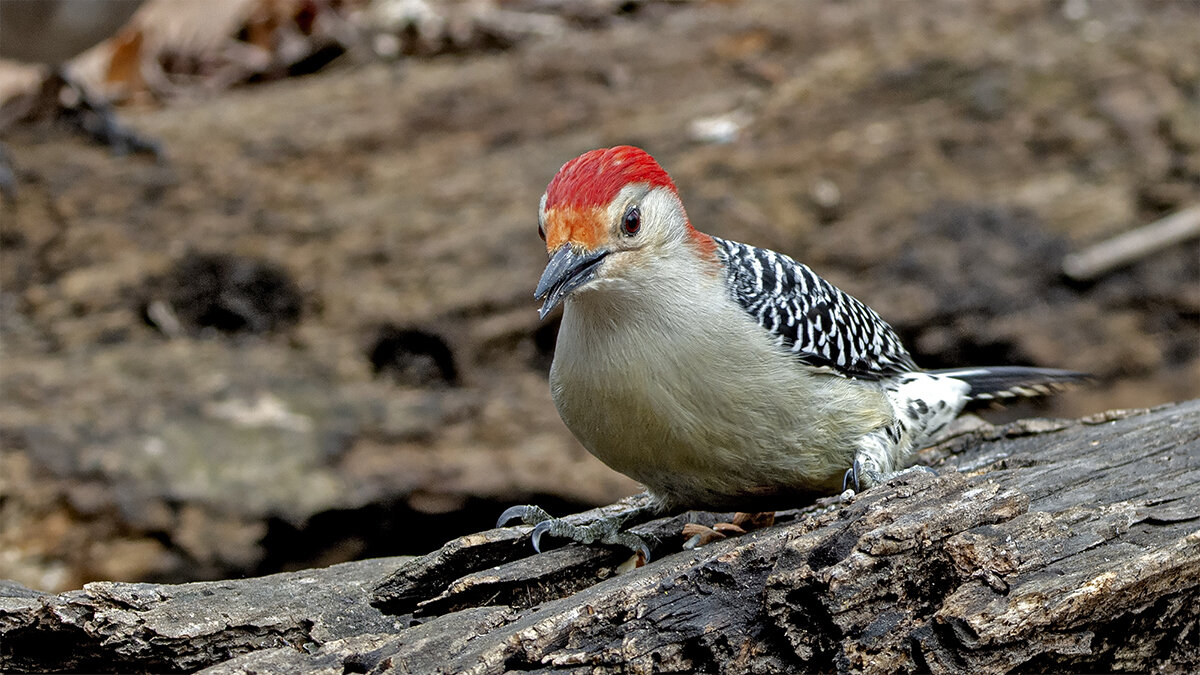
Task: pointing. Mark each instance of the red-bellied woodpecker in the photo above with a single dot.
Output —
(717, 374)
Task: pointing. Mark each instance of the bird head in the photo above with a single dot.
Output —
(605, 216)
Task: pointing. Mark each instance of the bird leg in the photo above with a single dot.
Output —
(606, 530)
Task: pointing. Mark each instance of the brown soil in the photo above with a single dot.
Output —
(310, 336)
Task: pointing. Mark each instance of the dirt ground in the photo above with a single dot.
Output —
(309, 335)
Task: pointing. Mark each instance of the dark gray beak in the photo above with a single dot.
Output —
(566, 271)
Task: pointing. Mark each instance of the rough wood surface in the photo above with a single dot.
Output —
(1042, 546)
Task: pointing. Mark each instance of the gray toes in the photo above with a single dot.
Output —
(528, 514)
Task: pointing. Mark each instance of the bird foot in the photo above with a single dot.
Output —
(699, 535)
(858, 477)
(604, 530)
(528, 514)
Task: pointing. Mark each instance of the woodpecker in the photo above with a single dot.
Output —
(720, 375)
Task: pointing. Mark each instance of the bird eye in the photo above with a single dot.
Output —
(632, 222)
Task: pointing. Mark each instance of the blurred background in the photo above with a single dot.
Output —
(304, 332)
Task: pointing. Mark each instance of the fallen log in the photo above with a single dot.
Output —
(1043, 545)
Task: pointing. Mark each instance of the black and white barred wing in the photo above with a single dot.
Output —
(820, 324)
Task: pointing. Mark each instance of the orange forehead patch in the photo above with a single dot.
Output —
(577, 226)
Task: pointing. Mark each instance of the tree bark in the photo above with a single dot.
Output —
(1041, 546)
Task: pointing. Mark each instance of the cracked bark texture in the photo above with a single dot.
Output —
(1043, 546)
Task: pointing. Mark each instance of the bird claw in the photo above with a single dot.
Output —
(873, 478)
(862, 478)
(539, 530)
(605, 530)
(528, 514)
(851, 476)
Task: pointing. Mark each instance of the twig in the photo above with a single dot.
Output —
(1134, 245)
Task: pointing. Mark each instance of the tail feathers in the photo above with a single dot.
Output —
(1002, 382)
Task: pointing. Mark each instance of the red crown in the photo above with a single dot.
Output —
(594, 178)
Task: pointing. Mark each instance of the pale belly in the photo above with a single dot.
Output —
(752, 435)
